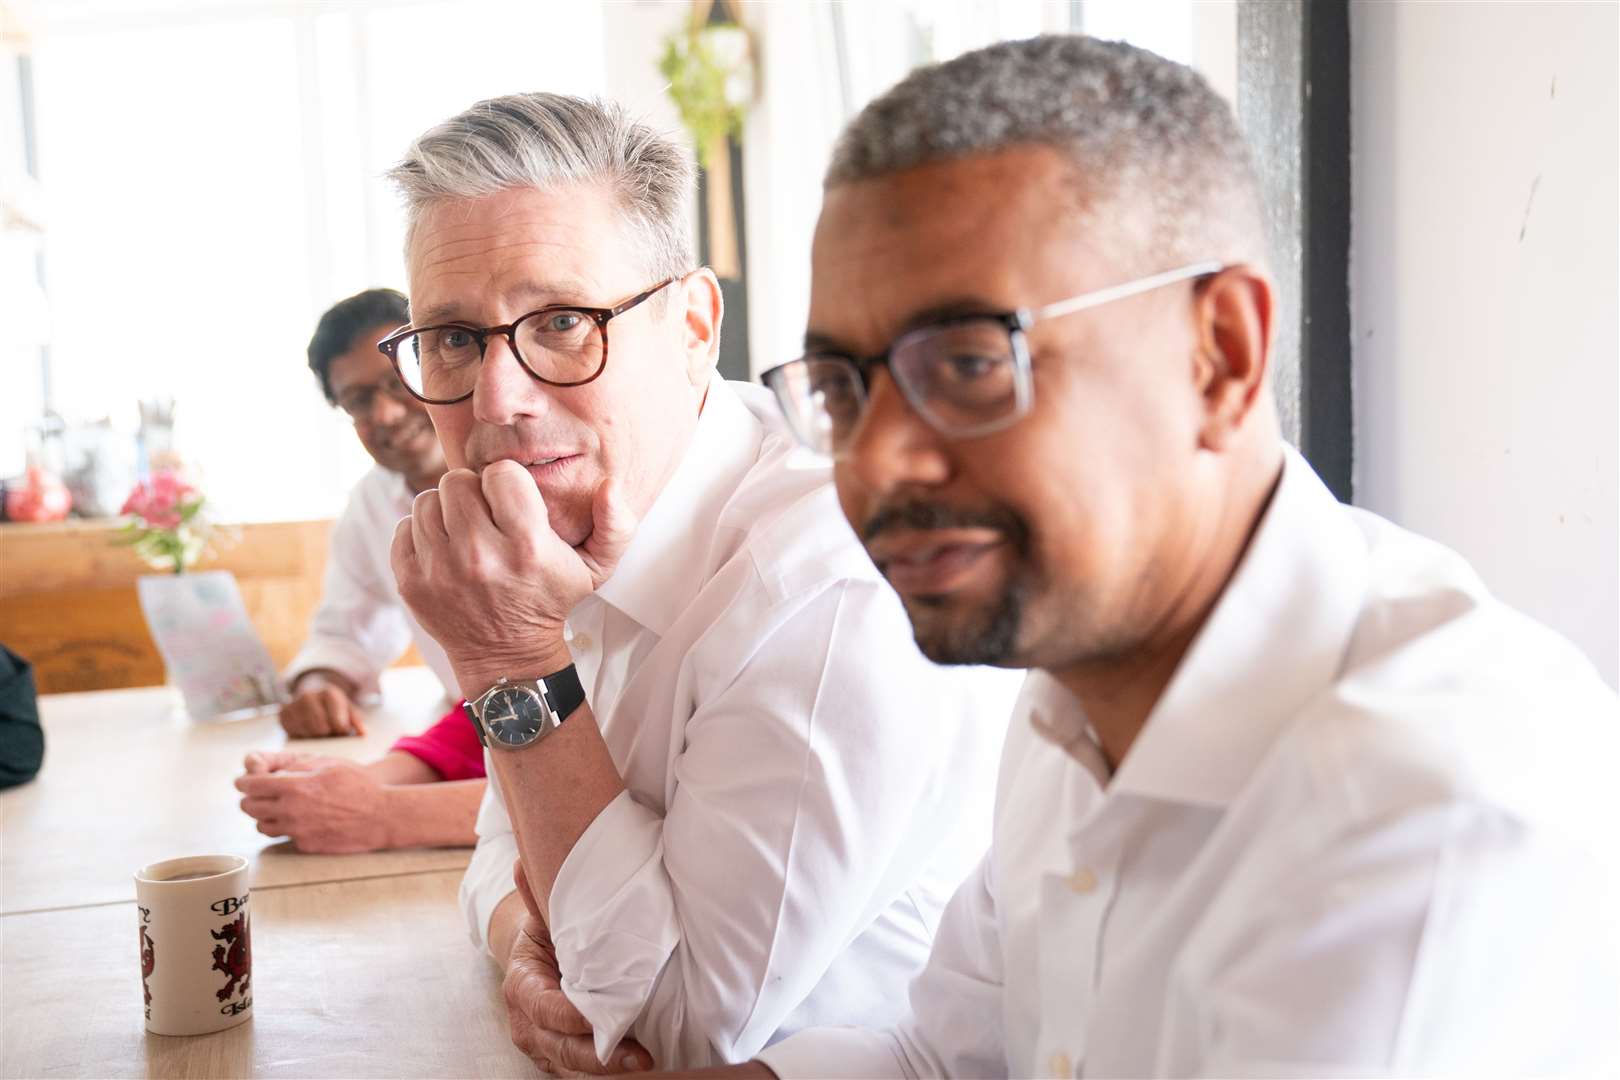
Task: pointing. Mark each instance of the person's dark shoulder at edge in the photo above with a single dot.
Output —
(22, 742)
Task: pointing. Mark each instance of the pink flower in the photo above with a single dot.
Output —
(160, 500)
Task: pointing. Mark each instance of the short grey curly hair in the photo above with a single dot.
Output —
(1141, 130)
(547, 141)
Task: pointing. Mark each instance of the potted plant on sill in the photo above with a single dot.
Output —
(209, 648)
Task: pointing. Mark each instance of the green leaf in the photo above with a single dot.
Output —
(697, 86)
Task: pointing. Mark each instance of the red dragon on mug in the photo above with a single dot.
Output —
(237, 960)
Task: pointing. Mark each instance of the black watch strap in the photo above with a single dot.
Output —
(478, 725)
(564, 693)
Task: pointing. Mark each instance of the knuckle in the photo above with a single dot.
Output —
(559, 1014)
(511, 992)
(519, 995)
(530, 550)
(578, 1052)
(483, 565)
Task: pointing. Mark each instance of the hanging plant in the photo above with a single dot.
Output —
(710, 83)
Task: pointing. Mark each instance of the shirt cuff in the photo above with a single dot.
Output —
(347, 660)
(487, 882)
(613, 919)
(835, 1054)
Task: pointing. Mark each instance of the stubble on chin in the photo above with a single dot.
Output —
(986, 634)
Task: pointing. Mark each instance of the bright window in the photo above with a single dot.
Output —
(212, 183)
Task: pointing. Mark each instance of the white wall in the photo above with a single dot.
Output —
(1485, 293)
(804, 101)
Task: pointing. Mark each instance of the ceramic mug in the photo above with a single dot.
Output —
(196, 952)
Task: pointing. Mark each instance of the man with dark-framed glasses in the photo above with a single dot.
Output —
(1287, 792)
(426, 790)
(361, 626)
(739, 790)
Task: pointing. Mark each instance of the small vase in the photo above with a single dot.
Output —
(209, 647)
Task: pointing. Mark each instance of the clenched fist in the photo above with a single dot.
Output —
(481, 569)
(321, 706)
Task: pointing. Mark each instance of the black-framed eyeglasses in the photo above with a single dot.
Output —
(967, 376)
(359, 401)
(561, 345)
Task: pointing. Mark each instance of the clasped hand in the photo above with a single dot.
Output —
(325, 805)
(545, 1024)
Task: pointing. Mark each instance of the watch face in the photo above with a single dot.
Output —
(514, 715)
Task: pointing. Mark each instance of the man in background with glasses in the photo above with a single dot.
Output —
(361, 626)
(740, 792)
(1287, 793)
(425, 791)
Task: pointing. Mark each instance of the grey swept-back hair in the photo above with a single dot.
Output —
(549, 141)
(1143, 132)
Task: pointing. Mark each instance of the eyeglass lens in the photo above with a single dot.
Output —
(558, 345)
(962, 378)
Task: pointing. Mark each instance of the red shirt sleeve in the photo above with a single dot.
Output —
(450, 747)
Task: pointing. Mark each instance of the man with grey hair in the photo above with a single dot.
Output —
(740, 792)
(1287, 793)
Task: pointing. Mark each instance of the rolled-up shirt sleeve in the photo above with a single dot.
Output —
(794, 818)
(488, 880)
(955, 1027)
(450, 747)
(359, 627)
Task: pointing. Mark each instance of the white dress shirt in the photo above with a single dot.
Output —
(805, 790)
(361, 625)
(1368, 830)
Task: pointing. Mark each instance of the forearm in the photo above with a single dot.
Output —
(399, 767)
(554, 789)
(433, 815)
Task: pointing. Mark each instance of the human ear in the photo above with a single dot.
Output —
(698, 297)
(1232, 313)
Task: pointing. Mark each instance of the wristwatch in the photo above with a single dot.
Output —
(515, 713)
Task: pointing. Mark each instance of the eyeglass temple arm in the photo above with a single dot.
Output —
(636, 299)
(1130, 288)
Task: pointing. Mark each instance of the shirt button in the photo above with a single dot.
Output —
(1060, 1065)
(1082, 880)
(581, 641)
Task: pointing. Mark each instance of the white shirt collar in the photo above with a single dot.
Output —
(1276, 637)
(662, 569)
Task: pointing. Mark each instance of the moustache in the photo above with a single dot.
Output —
(920, 516)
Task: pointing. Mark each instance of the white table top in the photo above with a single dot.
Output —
(355, 978)
(129, 779)
(362, 963)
